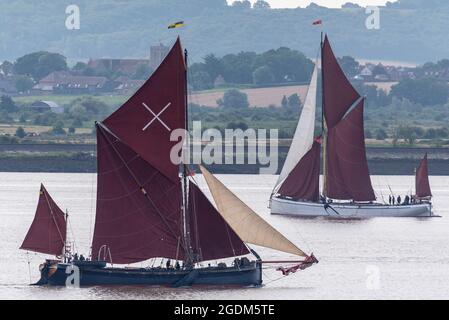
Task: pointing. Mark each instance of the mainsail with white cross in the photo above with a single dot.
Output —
(147, 119)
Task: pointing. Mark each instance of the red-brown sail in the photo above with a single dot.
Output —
(211, 236)
(303, 182)
(47, 233)
(147, 119)
(422, 179)
(338, 93)
(347, 174)
(139, 212)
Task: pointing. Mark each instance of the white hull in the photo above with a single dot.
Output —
(348, 210)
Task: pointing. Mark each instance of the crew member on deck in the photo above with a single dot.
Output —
(407, 200)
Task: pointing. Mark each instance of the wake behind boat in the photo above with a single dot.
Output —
(149, 207)
(347, 190)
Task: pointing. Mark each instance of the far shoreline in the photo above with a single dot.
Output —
(72, 158)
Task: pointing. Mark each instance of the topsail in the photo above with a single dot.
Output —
(338, 93)
(146, 121)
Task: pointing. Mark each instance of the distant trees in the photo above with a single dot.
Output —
(20, 133)
(40, 64)
(24, 84)
(244, 4)
(201, 80)
(351, 5)
(234, 99)
(426, 91)
(237, 125)
(116, 42)
(260, 4)
(45, 119)
(7, 105)
(415, 4)
(374, 97)
(263, 75)
(58, 128)
(381, 134)
(284, 102)
(7, 68)
(275, 66)
(213, 66)
(87, 108)
(409, 134)
(294, 101)
(238, 68)
(349, 65)
(287, 65)
(82, 69)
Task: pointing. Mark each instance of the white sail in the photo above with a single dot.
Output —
(247, 224)
(303, 139)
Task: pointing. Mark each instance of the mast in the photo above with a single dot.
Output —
(65, 253)
(323, 121)
(189, 258)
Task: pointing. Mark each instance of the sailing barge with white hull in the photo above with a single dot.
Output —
(149, 207)
(347, 191)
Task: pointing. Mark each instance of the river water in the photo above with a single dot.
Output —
(384, 258)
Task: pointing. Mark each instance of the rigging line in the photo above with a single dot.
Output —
(324, 129)
(29, 267)
(70, 225)
(54, 219)
(275, 280)
(382, 196)
(391, 191)
(230, 241)
(91, 220)
(327, 205)
(137, 182)
(195, 220)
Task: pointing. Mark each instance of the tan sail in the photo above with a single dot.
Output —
(250, 227)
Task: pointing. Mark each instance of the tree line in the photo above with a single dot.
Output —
(282, 65)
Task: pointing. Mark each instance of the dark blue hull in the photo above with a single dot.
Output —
(91, 274)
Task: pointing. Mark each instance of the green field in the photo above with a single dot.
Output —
(111, 100)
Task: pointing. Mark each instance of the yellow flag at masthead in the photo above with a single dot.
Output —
(175, 25)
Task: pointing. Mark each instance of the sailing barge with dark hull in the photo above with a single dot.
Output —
(346, 191)
(150, 207)
(94, 274)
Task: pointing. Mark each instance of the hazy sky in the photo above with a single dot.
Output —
(326, 3)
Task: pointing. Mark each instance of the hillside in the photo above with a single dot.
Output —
(411, 30)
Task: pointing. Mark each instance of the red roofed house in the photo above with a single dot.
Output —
(65, 82)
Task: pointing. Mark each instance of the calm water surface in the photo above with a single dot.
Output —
(410, 255)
